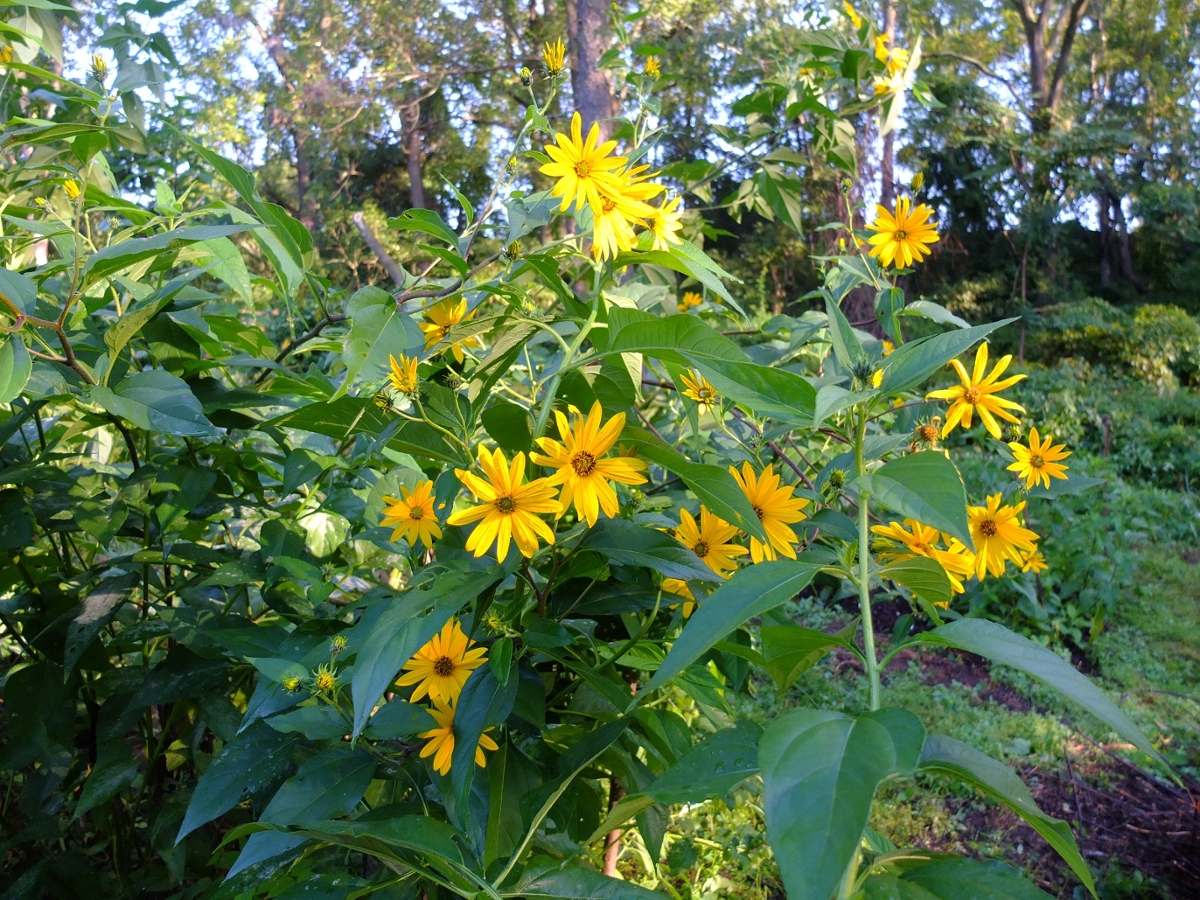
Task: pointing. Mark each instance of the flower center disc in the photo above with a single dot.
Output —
(972, 395)
(701, 549)
(1036, 461)
(758, 512)
(706, 396)
(583, 463)
(988, 528)
(444, 666)
(901, 235)
(583, 169)
(505, 504)
(609, 206)
(416, 512)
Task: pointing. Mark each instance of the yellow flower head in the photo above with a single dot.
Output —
(690, 299)
(553, 57)
(998, 536)
(441, 740)
(71, 186)
(679, 588)
(665, 223)
(583, 169)
(710, 540)
(977, 393)
(404, 373)
(913, 539)
(413, 517)
(509, 509)
(613, 231)
(1034, 562)
(1038, 461)
(903, 237)
(776, 507)
(696, 387)
(441, 668)
(6, 55)
(888, 349)
(440, 318)
(855, 18)
(582, 472)
(634, 184)
(652, 69)
(99, 67)
(325, 679)
(918, 182)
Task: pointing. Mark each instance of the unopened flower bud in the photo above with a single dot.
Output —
(526, 76)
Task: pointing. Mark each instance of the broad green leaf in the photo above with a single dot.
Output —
(377, 330)
(425, 221)
(946, 756)
(397, 719)
(18, 290)
(923, 576)
(886, 886)
(484, 703)
(820, 772)
(346, 417)
(626, 543)
(1001, 645)
(157, 401)
(790, 650)
(320, 722)
(511, 775)
(509, 425)
(888, 304)
(777, 393)
(832, 399)
(935, 313)
(846, 346)
(278, 670)
(669, 338)
(569, 880)
(917, 360)
(750, 592)
(16, 365)
(115, 769)
(224, 260)
(423, 835)
(970, 879)
(98, 611)
(712, 485)
(120, 256)
(924, 486)
(710, 769)
(325, 532)
(257, 758)
(122, 331)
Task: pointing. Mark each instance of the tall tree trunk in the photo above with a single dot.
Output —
(887, 162)
(410, 129)
(1105, 240)
(1124, 257)
(587, 34)
(304, 201)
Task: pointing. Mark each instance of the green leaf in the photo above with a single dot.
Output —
(917, 360)
(484, 703)
(324, 532)
(545, 878)
(115, 770)
(222, 258)
(16, 365)
(712, 485)
(778, 393)
(924, 486)
(377, 329)
(425, 221)
(426, 836)
(923, 576)
(935, 313)
(710, 769)
(846, 346)
(258, 757)
(946, 756)
(790, 650)
(1000, 645)
(750, 592)
(669, 338)
(626, 543)
(969, 879)
(120, 256)
(345, 417)
(278, 670)
(157, 401)
(397, 719)
(98, 611)
(509, 425)
(888, 304)
(317, 723)
(820, 772)
(18, 290)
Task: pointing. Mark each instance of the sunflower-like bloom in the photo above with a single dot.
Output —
(584, 170)
(441, 668)
(510, 508)
(999, 536)
(855, 18)
(635, 184)
(688, 300)
(903, 236)
(441, 740)
(1038, 461)
(583, 474)
(776, 506)
(553, 57)
(652, 68)
(613, 231)
(977, 394)
(679, 588)
(888, 349)
(665, 223)
(71, 186)
(913, 539)
(412, 516)
(440, 318)
(404, 373)
(696, 387)
(710, 540)
(1034, 562)
(895, 58)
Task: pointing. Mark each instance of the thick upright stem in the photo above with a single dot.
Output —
(864, 565)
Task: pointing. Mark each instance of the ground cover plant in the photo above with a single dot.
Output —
(514, 579)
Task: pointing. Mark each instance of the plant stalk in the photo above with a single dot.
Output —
(864, 565)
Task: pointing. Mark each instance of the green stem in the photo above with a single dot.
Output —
(864, 565)
(568, 355)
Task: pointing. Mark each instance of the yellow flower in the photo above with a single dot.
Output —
(441, 668)
(998, 536)
(710, 540)
(1034, 562)
(679, 588)
(510, 508)
(690, 299)
(404, 373)
(99, 67)
(634, 184)
(440, 318)
(441, 740)
(613, 231)
(72, 188)
(1038, 461)
(664, 223)
(291, 684)
(652, 69)
(977, 394)
(921, 540)
(888, 349)
(413, 516)
(583, 169)
(553, 57)
(325, 679)
(903, 237)
(776, 507)
(855, 18)
(918, 182)
(6, 55)
(696, 387)
(584, 476)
